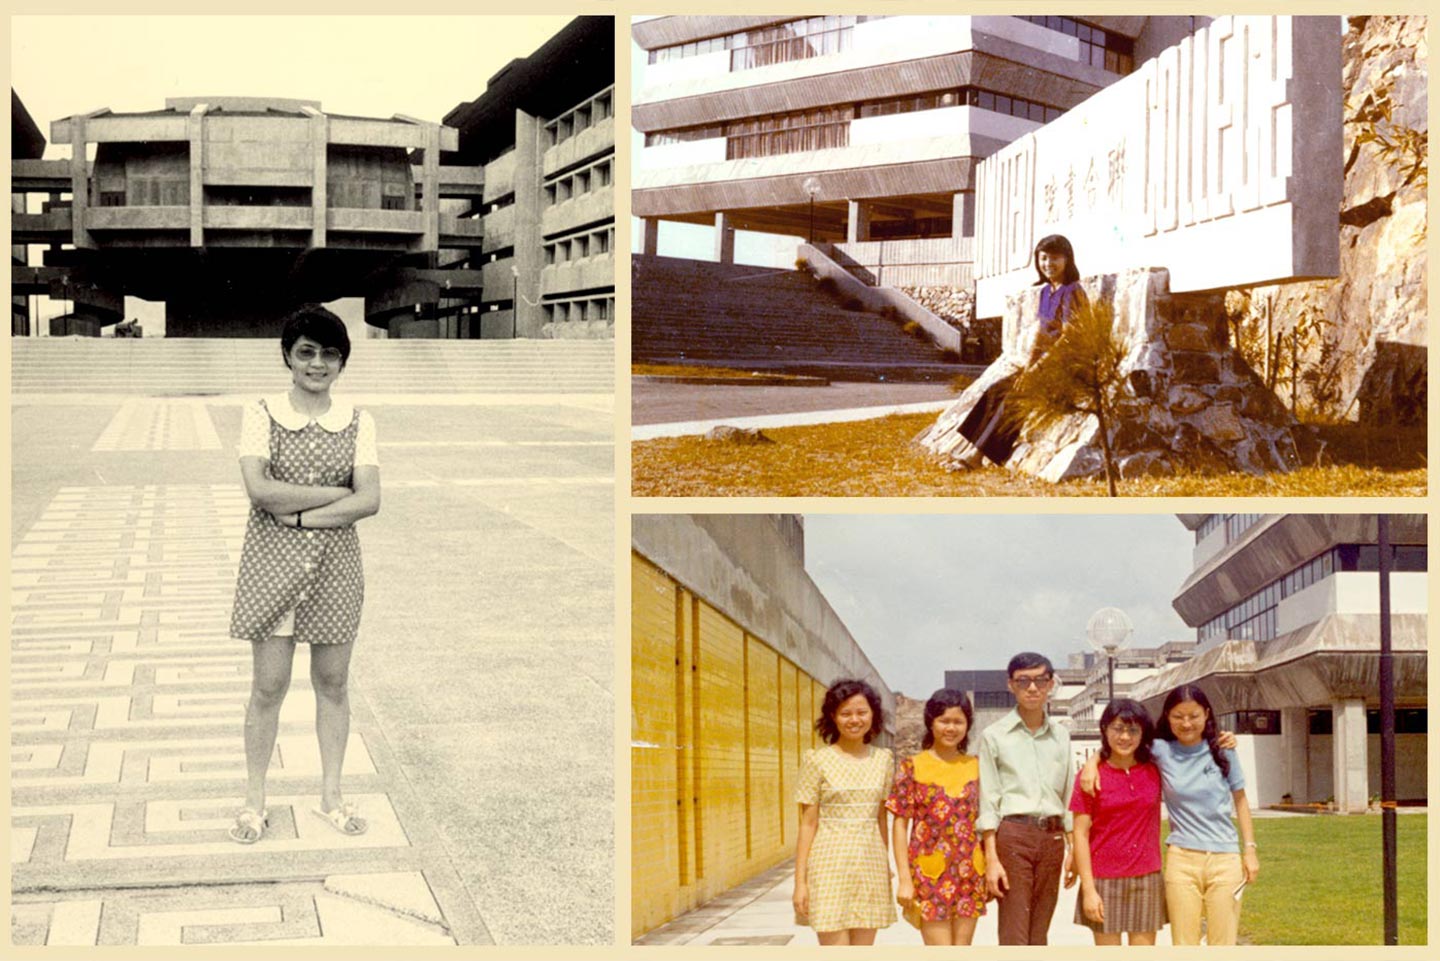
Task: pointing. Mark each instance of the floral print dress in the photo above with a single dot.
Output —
(947, 863)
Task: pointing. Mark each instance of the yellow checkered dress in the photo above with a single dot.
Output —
(849, 869)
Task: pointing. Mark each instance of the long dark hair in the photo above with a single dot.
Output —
(1192, 692)
(1124, 709)
(840, 692)
(1056, 244)
(940, 702)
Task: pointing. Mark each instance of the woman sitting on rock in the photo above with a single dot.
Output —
(988, 425)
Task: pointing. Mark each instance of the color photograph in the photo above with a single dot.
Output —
(934, 255)
(1023, 729)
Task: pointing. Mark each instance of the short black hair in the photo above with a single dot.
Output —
(1026, 660)
(1125, 709)
(1057, 244)
(321, 326)
(840, 692)
(940, 702)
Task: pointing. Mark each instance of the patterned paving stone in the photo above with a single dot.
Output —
(145, 423)
(126, 763)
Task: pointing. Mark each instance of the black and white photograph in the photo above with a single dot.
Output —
(312, 480)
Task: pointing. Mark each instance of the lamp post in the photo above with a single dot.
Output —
(811, 187)
(514, 299)
(1109, 630)
(1389, 892)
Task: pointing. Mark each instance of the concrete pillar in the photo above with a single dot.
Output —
(195, 134)
(724, 238)
(650, 246)
(1295, 733)
(79, 185)
(320, 186)
(1351, 774)
(962, 216)
(857, 227)
(430, 187)
(529, 212)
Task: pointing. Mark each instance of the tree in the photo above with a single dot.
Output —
(1079, 374)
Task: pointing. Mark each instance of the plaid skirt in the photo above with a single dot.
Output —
(1131, 904)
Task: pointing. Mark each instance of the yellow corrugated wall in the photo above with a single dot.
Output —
(720, 719)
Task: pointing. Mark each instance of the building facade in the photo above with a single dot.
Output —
(233, 210)
(859, 130)
(732, 649)
(544, 135)
(1286, 614)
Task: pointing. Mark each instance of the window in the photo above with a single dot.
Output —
(393, 203)
(112, 198)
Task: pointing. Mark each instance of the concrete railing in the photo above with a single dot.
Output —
(820, 261)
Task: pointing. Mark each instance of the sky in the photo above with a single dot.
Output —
(359, 65)
(927, 594)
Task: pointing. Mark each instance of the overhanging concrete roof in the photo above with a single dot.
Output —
(27, 142)
(1336, 657)
(668, 31)
(1274, 547)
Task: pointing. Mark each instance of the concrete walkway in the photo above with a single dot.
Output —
(759, 912)
(482, 690)
(677, 405)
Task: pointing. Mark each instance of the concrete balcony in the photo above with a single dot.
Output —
(587, 144)
(456, 182)
(500, 175)
(587, 273)
(499, 229)
(40, 176)
(138, 218)
(367, 220)
(257, 218)
(460, 231)
(53, 226)
(496, 279)
(597, 206)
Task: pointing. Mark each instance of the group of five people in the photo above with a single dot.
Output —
(1011, 820)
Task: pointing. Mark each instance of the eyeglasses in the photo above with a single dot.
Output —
(1120, 730)
(305, 354)
(1042, 681)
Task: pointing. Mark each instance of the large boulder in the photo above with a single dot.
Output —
(1375, 312)
(1187, 400)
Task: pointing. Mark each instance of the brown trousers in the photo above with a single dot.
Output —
(1033, 860)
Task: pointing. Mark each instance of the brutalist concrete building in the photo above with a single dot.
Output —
(232, 210)
(1286, 612)
(853, 129)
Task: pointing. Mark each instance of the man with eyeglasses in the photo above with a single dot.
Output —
(1026, 776)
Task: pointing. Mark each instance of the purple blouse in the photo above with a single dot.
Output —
(1056, 305)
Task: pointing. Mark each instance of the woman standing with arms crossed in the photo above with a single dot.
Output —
(310, 469)
(1117, 833)
(842, 876)
(937, 851)
(1208, 861)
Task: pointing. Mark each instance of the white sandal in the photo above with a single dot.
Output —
(251, 820)
(346, 819)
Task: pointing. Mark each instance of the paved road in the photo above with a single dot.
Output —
(652, 403)
(482, 691)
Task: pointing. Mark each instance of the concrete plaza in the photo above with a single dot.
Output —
(481, 687)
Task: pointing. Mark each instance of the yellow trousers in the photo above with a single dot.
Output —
(1202, 884)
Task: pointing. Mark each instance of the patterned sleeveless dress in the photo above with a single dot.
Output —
(315, 575)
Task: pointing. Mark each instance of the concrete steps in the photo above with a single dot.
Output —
(706, 313)
(246, 366)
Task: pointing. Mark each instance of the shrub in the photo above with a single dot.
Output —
(854, 303)
(950, 355)
(913, 328)
(826, 284)
(801, 263)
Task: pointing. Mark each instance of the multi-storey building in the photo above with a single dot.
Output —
(544, 134)
(26, 143)
(1286, 613)
(859, 129)
(232, 210)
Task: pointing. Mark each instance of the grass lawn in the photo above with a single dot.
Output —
(1320, 881)
(878, 458)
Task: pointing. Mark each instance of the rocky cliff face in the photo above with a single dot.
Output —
(1375, 311)
(909, 725)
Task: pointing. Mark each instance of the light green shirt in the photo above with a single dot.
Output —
(1024, 772)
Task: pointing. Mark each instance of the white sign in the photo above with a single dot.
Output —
(1219, 160)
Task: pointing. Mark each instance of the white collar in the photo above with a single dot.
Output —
(336, 419)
